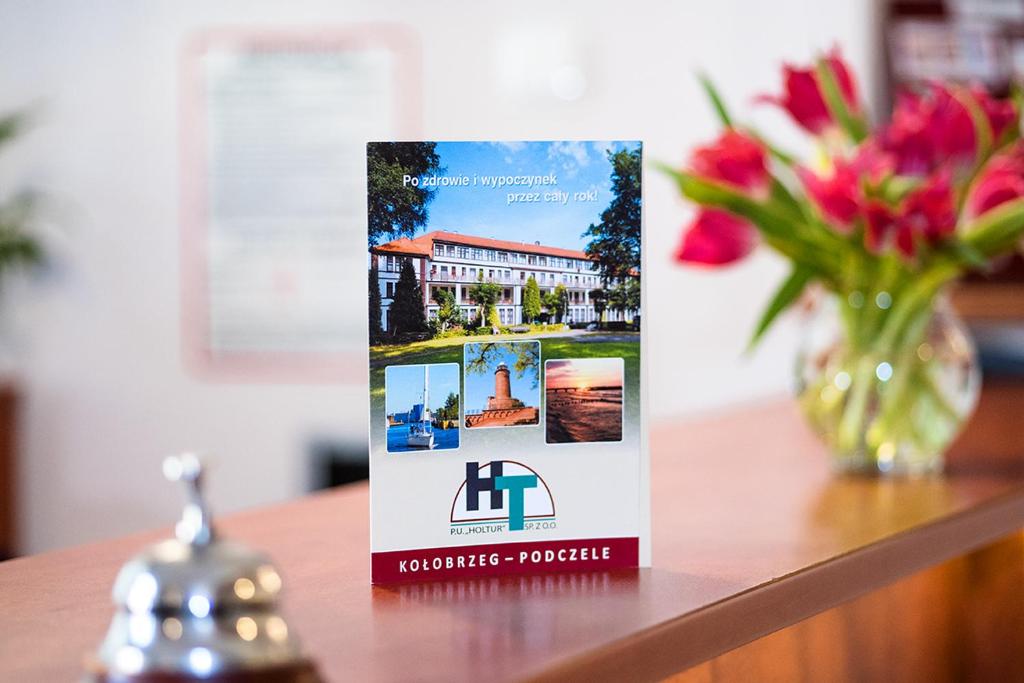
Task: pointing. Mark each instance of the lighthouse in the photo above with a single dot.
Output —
(502, 399)
(503, 409)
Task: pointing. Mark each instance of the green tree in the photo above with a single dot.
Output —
(483, 357)
(449, 315)
(599, 298)
(493, 319)
(557, 302)
(485, 295)
(407, 307)
(625, 297)
(615, 240)
(632, 294)
(550, 304)
(617, 299)
(450, 409)
(397, 208)
(531, 301)
(376, 332)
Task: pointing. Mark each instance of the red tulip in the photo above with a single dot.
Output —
(803, 99)
(716, 237)
(927, 214)
(1000, 113)
(907, 138)
(733, 159)
(1001, 181)
(905, 241)
(879, 220)
(930, 129)
(838, 197)
(872, 162)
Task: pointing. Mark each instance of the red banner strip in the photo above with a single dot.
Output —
(496, 559)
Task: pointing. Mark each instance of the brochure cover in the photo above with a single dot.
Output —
(506, 402)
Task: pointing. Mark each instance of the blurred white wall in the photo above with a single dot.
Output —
(97, 341)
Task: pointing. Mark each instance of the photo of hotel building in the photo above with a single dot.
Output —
(453, 261)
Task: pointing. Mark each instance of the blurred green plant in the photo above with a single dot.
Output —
(19, 247)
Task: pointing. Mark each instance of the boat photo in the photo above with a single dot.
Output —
(422, 407)
(421, 427)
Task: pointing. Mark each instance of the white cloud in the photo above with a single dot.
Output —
(511, 145)
(572, 155)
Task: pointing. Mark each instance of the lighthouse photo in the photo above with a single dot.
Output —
(502, 384)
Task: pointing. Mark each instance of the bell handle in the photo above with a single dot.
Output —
(196, 524)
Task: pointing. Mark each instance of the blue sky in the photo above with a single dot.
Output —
(404, 385)
(484, 211)
(480, 386)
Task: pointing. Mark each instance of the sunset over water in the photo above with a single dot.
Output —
(583, 400)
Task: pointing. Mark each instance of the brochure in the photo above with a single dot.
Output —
(506, 397)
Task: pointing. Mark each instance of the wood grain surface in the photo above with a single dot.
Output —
(962, 620)
(751, 535)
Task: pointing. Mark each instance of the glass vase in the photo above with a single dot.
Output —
(886, 388)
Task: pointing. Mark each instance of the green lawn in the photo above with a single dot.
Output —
(450, 351)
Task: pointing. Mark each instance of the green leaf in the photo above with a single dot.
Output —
(894, 188)
(853, 125)
(779, 227)
(966, 254)
(768, 216)
(716, 100)
(788, 293)
(784, 198)
(1012, 131)
(997, 230)
(18, 248)
(10, 126)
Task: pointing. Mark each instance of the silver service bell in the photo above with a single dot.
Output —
(197, 607)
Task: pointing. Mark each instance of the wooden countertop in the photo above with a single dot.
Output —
(751, 534)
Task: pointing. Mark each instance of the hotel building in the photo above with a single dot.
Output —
(452, 261)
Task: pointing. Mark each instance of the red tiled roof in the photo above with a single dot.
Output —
(424, 245)
(406, 247)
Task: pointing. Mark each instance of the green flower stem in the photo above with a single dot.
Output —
(851, 424)
(917, 295)
(895, 414)
(928, 384)
(885, 279)
(868, 411)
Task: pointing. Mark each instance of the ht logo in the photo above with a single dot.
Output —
(496, 485)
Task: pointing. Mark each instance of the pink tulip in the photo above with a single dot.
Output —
(803, 99)
(928, 214)
(935, 128)
(871, 162)
(1001, 181)
(838, 196)
(1000, 113)
(715, 238)
(879, 221)
(733, 159)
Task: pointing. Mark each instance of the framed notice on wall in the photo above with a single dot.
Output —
(506, 426)
(273, 131)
